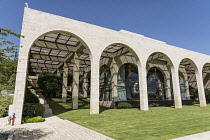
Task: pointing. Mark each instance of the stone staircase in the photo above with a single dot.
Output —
(48, 111)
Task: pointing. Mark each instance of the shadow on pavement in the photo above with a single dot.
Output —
(23, 134)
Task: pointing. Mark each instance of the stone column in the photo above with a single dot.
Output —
(114, 72)
(20, 85)
(58, 74)
(94, 91)
(85, 80)
(187, 92)
(187, 89)
(143, 88)
(201, 92)
(176, 87)
(75, 91)
(65, 80)
(168, 88)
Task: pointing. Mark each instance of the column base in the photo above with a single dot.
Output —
(64, 99)
(74, 103)
(94, 107)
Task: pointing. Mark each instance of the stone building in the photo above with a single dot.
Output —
(107, 66)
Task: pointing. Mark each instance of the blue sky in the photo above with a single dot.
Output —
(182, 23)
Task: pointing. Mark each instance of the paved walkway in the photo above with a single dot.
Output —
(53, 128)
(199, 136)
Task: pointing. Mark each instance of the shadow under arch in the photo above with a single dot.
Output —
(159, 67)
(191, 62)
(170, 63)
(206, 78)
(128, 47)
(156, 81)
(128, 82)
(184, 86)
(64, 37)
(191, 72)
(206, 75)
(64, 32)
(60, 49)
(116, 56)
(105, 84)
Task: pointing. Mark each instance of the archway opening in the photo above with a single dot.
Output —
(156, 84)
(206, 81)
(119, 71)
(159, 81)
(187, 81)
(63, 54)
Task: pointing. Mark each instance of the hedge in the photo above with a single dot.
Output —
(33, 110)
(5, 101)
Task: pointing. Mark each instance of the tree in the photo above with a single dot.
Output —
(8, 63)
(50, 83)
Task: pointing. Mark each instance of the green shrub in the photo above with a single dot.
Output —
(154, 105)
(124, 105)
(193, 93)
(33, 110)
(207, 93)
(34, 119)
(50, 83)
(30, 97)
(5, 101)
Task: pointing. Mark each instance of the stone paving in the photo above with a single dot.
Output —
(53, 128)
(199, 136)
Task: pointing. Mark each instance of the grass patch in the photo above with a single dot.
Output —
(159, 123)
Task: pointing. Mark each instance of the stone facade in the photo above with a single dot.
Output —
(96, 39)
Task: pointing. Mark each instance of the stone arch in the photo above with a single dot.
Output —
(206, 75)
(24, 62)
(129, 48)
(195, 79)
(206, 80)
(162, 62)
(191, 61)
(115, 55)
(35, 38)
(61, 49)
(170, 63)
(189, 66)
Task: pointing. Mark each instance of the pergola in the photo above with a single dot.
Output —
(50, 52)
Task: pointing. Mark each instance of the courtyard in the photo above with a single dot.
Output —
(159, 123)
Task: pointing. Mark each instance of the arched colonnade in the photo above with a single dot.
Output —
(106, 65)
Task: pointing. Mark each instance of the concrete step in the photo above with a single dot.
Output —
(38, 93)
(42, 101)
(40, 96)
(46, 106)
(48, 111)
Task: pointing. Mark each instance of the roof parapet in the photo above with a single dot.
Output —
(142, 36)
(130, 33)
